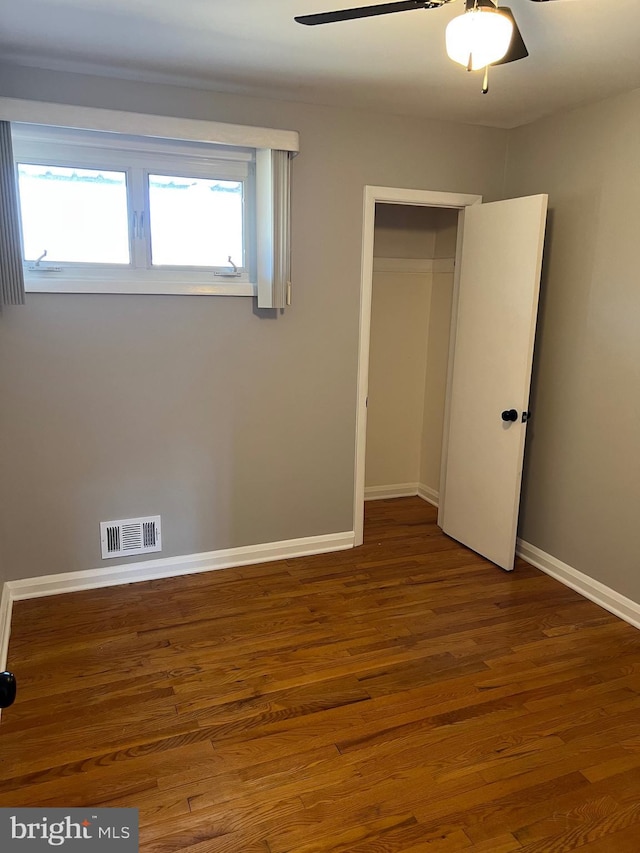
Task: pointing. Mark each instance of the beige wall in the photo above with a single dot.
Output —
(236, 427)
(410, 322)
(581, 492)
(446, 232)
(435, 384)
(400, 305)
(404, 231)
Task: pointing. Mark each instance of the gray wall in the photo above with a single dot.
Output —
(236, 428)
(581, 492)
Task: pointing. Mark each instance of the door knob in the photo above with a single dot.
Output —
(7, 689)
(510, 415)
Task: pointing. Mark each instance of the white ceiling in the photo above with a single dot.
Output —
(581, 50)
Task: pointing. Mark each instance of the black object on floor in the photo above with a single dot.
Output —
(7, 689)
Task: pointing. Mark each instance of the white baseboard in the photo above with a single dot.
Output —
(398, 490)
(428, 494)
(595, 591)
(6, 606)
(402, 490)
(175, 566)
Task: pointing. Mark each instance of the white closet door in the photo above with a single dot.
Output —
(496, 320)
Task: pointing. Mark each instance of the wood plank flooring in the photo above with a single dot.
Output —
(403, 697)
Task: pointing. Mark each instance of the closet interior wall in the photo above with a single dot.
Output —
(414, 250)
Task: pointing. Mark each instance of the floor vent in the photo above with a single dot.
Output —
(130, 536)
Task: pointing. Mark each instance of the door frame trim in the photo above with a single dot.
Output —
(388, 195)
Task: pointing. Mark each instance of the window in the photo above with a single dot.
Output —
(195, 221)
(54, 203)
(108, 212)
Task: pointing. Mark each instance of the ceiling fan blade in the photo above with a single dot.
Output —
(517, 48)
(367, 11)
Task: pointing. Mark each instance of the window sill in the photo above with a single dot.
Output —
(56, 284)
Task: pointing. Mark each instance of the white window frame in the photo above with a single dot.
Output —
(138, 157)
(184, 130)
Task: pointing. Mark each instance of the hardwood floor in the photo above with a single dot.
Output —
(403, 697)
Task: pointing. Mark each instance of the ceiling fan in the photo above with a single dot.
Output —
(484, 35)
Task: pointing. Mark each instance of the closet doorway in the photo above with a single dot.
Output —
(411, 300)
(378, 199)
(491, 300)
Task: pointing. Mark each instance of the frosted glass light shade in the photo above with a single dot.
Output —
(483, 34)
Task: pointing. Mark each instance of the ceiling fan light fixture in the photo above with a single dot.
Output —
(479, 37)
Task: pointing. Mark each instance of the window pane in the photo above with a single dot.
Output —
(77, 215)
(195, 222)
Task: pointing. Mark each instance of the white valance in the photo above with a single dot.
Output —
(142, 124)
